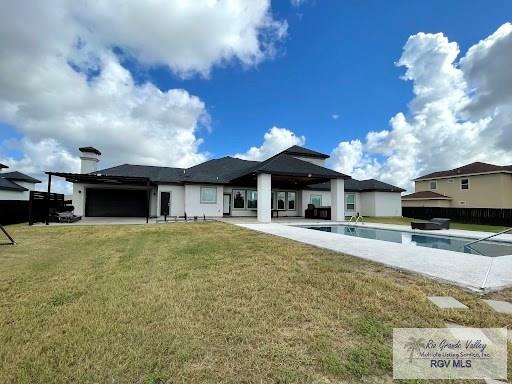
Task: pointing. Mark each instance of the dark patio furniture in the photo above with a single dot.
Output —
(425, 225)
(323, 213)
(444, 223)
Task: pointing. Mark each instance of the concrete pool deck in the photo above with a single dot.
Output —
(462, 269)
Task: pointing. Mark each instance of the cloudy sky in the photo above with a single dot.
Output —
(391, 90)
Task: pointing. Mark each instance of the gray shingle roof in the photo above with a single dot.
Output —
(11, 185)
(283, 164)
(353, 185)
(301, 151)
(222, 170)
(15, 175)
(156, 174)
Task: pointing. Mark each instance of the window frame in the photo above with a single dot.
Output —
(435, 185)
(353, 203)
(460, 184)
(287, 205)
(244, 194)
(201, 200)
(247, 192)
(311, 199)
(277, 201)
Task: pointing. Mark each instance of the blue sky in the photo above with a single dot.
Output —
(339, 58)
(175, 83)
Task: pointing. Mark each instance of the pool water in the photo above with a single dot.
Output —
(457, 244)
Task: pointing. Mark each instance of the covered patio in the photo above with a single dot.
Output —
(288, 172)
(138, 193)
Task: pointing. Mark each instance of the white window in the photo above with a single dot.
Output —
(433, 185)
(291, 201)
(464, 184)
(281, 200)
(350, 199)
(208, 195)
(316, 200)
(238, 199)
(252, 199)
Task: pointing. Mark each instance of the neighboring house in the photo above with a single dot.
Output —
(476, 185)
(284, 184)
(15, 185)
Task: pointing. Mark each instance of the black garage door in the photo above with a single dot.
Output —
(115, 202)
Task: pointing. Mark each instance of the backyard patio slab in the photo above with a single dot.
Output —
(462, 269)
(447, 302)
(500, 306)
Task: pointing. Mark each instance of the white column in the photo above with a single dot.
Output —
(264, 197)
(337, 199)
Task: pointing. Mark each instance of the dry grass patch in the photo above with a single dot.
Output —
(203, 302)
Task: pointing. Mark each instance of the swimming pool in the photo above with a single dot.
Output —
(449, 243)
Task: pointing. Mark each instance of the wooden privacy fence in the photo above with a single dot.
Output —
(13, 211)
(40, 203)
(490, 216)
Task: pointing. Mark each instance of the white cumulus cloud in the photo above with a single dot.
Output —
(63, 85)
(461, 112)
(275, 140)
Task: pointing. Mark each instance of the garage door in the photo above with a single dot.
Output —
(115, 202)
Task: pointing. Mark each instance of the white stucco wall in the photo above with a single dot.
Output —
(381, 204)
(177, 199)
(367, 203)
(388, 204)
(193, 205)
(18, 195)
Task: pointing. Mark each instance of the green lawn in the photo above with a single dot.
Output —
(204, 303)
(407, 221)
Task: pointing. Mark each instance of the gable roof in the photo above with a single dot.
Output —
(223, 170)
(426, 195)
(15, 175)
(301, 151)
(354, 185)
(10, 185)
(284, 164)
(468, 169)
(3, 166)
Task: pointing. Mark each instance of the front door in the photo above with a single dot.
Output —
(165, 203)
(227, 204)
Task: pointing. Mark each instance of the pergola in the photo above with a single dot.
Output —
(101, 179)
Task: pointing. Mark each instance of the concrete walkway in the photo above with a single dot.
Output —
(465, 270)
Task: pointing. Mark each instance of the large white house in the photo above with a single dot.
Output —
(15, 185)
(282, 185)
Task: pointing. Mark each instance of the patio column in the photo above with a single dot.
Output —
(264, 197)
(337, 199)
